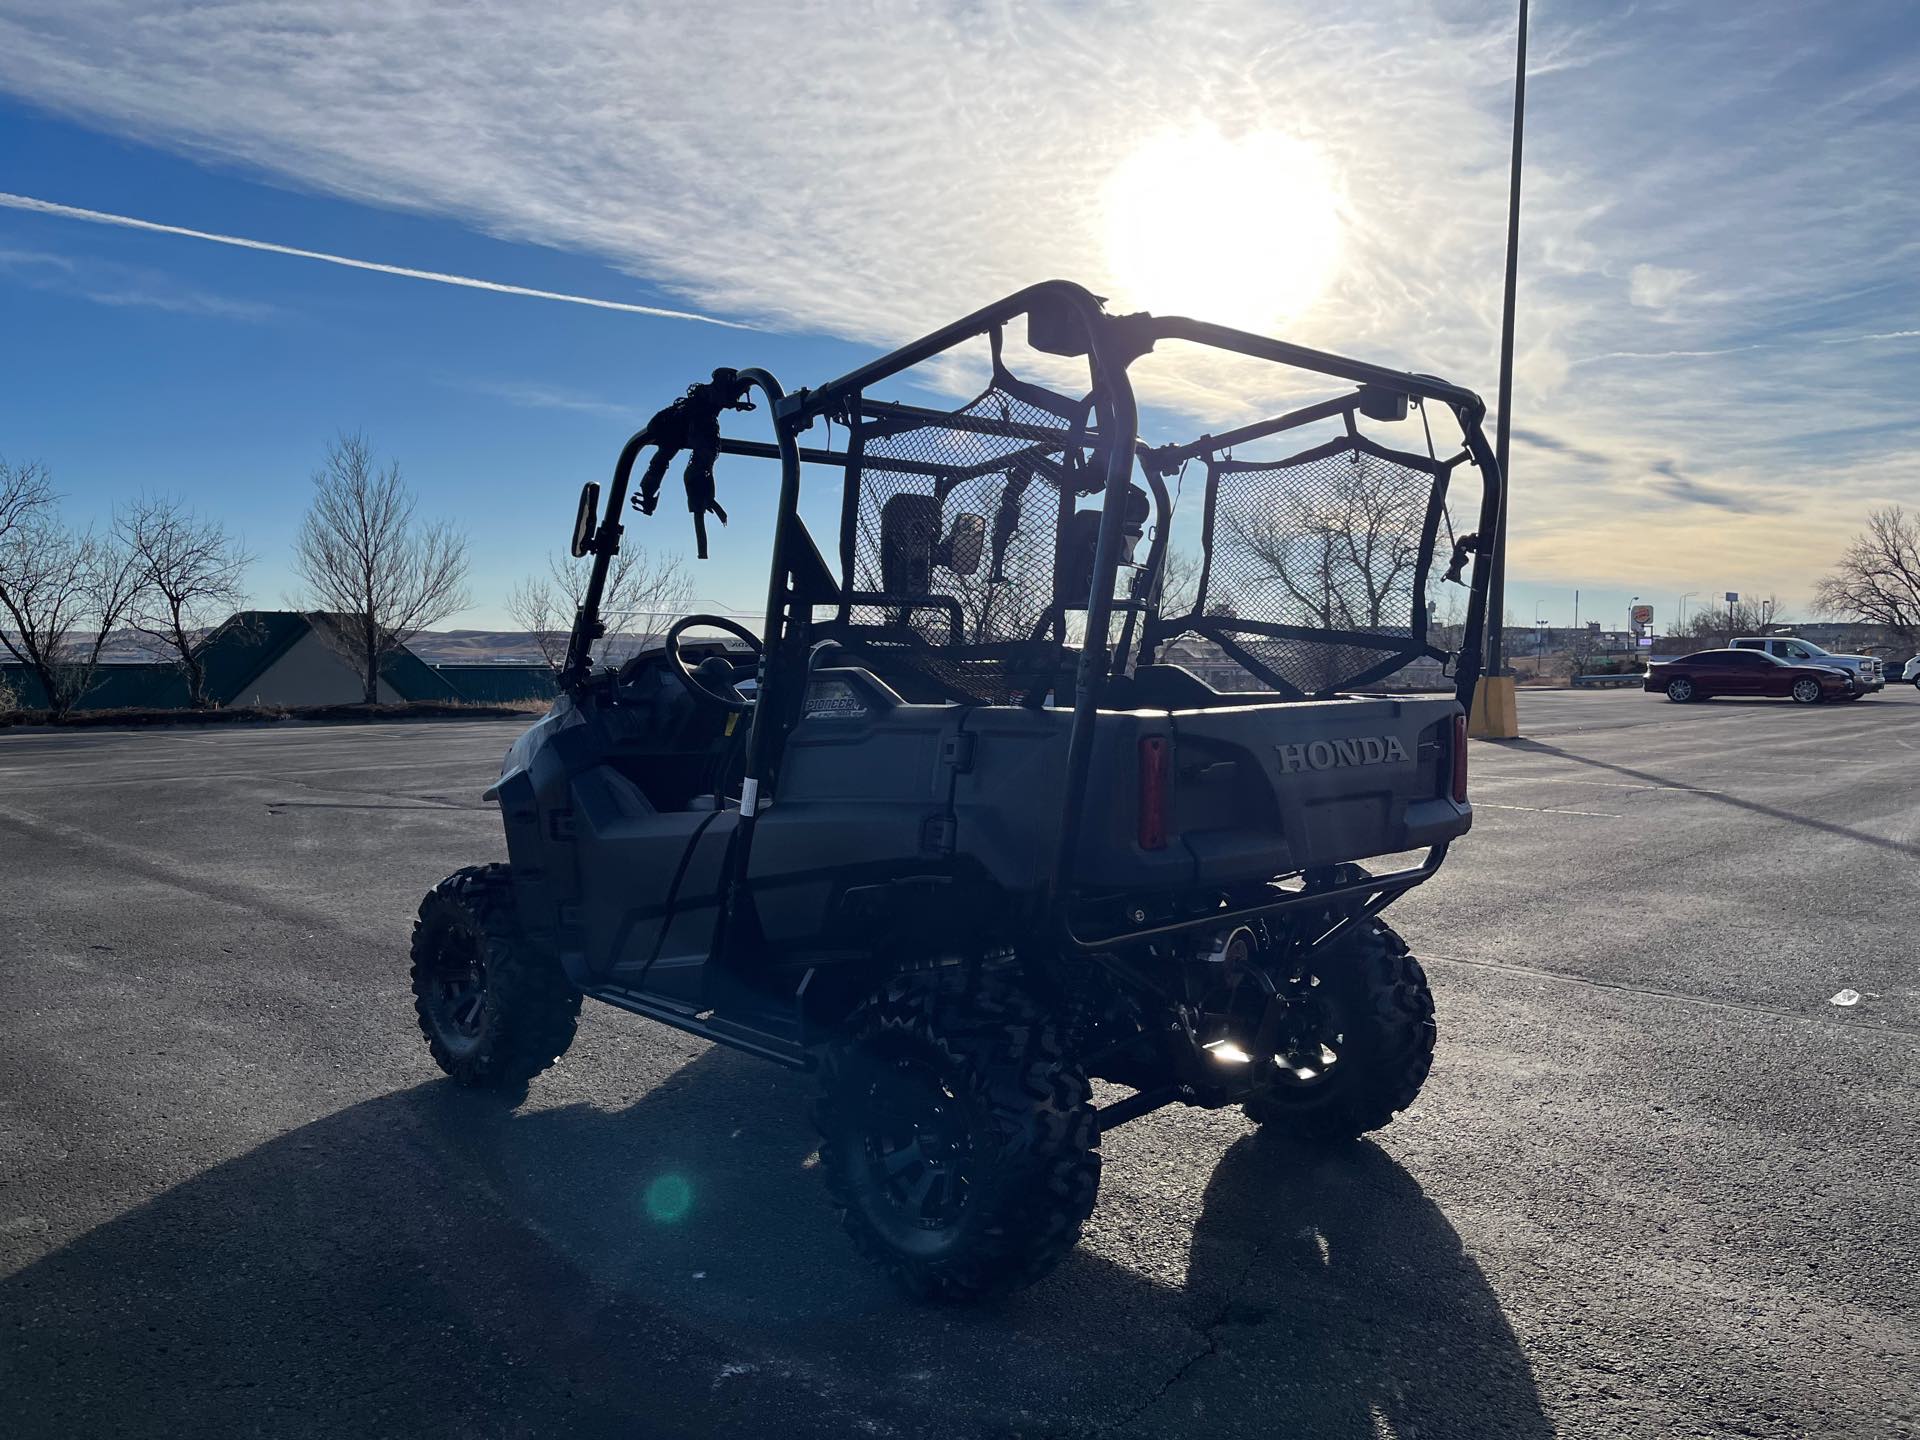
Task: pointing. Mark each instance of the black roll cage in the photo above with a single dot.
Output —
(1111, 343)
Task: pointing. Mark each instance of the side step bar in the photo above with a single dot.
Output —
(708, 1026)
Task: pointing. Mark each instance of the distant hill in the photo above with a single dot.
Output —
(475, 647)
(493, 647)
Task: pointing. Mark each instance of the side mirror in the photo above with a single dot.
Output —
(966, 542)
(585, 519)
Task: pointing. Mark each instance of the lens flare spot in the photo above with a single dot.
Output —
(668, 1199)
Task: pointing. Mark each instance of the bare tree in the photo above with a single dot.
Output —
(189, 573)
(1336, 559)
(1877, 581)
(642, 597)
(1179, 583)
(26, 493)
(1339, 557)
(1715, 625)
(380, 575)
(62, 591)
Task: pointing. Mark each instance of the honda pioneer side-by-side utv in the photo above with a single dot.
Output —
(962, 827)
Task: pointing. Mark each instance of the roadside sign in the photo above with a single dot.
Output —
(1733, 597)
(1646, 642)
(1643, 614)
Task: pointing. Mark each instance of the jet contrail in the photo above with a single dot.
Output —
(101, 217)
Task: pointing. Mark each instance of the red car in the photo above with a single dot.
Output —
(1710, 673)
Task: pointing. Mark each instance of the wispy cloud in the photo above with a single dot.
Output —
(1662, 354)
(1669, 482)
(1655, 287)
(534, 396)
(1554, 445)
(1718, 250)
(106, 282)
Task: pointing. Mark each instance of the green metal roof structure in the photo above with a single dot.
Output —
(249, 643)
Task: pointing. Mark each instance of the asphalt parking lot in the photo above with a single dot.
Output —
(1659, 1185)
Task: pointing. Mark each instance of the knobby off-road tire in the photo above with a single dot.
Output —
(1378, 1002)
(958, 1138)
(494, 1010)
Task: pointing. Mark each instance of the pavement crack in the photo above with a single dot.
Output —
(383, 799)
(125, 859)
(1209, 1330)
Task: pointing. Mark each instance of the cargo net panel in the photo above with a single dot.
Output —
(989, 632)
(1317, 566)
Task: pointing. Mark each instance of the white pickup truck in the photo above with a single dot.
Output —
(1865, 669)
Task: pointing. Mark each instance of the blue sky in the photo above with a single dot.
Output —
(220, 374)
(1720, 317)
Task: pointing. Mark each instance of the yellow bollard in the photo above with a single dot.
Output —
(1495, 714)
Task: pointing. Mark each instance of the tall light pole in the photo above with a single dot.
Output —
(1683, 608)
(1496, 660)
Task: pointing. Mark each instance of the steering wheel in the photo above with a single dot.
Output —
(715, 669)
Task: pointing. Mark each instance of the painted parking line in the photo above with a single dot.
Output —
(1598, 784)
(1546, 810)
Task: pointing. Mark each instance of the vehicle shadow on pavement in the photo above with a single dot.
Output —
(1772, 812)
(433, 1263)
(1338, 1295)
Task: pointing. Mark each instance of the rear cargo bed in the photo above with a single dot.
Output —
(1213, 796)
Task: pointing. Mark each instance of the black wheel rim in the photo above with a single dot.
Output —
(457, 992)
(918, 1146)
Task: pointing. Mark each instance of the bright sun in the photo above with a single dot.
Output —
(1244, 232)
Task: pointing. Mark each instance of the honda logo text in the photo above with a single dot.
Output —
(1331, 754)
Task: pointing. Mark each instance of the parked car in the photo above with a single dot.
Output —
(1707, 674)
(1795, 651)
(1911, 674)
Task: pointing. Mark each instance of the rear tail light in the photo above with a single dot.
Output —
(1153, 793)
(1460, 759)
